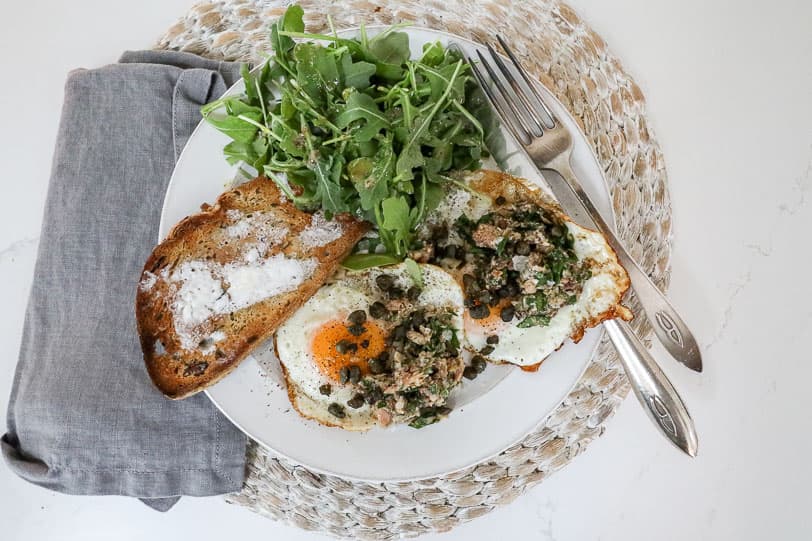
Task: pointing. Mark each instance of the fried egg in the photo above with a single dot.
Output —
(306, 344)
(598, 300)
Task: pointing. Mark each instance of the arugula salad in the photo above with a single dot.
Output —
(356, 125)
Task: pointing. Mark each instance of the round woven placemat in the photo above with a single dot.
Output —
(573, 62)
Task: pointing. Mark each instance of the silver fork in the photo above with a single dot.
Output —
(549, 145)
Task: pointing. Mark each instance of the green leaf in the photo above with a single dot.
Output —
(328, 191)
(433, 54)
(371, 176)
(293, 19)
(414, 272)
(361, 106)
(358, 262)
(356, 74)
(390, 47)
(236, 152)
(395, 213)
(534, 321)
(248, 80)
(316, 71)
(237, 128)
(237, 107)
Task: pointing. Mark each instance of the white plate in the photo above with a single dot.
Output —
(490, 413)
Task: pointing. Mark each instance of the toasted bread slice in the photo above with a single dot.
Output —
(602, 292)
(224, 279)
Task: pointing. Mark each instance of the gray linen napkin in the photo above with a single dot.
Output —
(83, 416)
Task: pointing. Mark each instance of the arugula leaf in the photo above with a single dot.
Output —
(356, 74)
(390, 47)
(291, 21)
(414, 271)
(361, 106)
(238, 151)
(395, 212)
(433, 54)
(238, 127)
(316, 71)
(358, 262)
(328, 191)
(355, 125)
(371, 175)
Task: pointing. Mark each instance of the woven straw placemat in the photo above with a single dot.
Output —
(573, 62)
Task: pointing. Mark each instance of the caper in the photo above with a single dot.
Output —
(385, 281)
(523, 248)
(413, 293)
(487, 350)
(400, 331)
(507, 313)
(484, 297)
(374, 395)
(451, 251)
(326, 389)
(389, 364)
(378, 309)
(358, 317)
(418, 318)
(492, 339)
(344, 375)
(345, 346)
(440, 232)
(355, 374)
(468, 280)
(376, 365)
(356, 401)
(470, 372)
(356, 330)
(480, 311)
(337, 410)
(395, 293)
(479, 363)
(503, 292)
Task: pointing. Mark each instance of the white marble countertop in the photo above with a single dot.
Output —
(729, 86)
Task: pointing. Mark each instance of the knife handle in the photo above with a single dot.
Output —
(652, 388)
(669, 327)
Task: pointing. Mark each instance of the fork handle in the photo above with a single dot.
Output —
(669, 327)
(652, 388)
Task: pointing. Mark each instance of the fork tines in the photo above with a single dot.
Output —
(516, 99)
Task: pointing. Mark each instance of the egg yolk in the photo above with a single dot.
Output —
(490, 324)
(368, 344)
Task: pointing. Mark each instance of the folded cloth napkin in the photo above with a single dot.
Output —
(84, 417)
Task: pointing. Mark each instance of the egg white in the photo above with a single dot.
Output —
(529, 346)
(334, 302)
